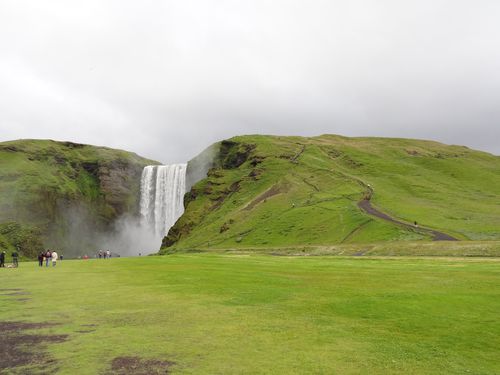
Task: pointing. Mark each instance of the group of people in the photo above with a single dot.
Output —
(15, 259)
(48, 257)
(104, 254)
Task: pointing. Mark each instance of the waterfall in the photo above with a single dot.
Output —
(162, 196)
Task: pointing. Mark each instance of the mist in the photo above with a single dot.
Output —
(82, 235)
(130, 237)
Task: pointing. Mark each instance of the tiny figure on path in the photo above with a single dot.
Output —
(61, 257)
(108, 254)
(15, 259)
(54, 259)
(2, 259)
(415, 224)
(48, 255)
(41, 258)
(100, 254)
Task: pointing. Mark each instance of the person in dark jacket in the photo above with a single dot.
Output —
(15, 259)
(40, 259)
(2, 259)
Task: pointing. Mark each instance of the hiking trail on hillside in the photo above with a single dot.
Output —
(365, 205)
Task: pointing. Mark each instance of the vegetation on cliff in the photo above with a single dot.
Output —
(267, 191)
(61, 194)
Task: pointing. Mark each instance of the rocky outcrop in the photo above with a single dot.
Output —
(209, 166)
(68, 193)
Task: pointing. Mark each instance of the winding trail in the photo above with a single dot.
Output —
(366, 206)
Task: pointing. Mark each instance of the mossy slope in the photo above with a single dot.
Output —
(283, 191)
(57, 189)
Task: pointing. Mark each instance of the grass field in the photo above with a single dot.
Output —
(253, 314)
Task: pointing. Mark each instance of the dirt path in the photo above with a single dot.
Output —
(366, 206)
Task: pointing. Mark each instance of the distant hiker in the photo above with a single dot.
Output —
(2, 259)
(54, 258)
(61, 257)
(415, 224)
(108, 254)
(15, 259)
(100, 254)
(48, 256)
(41, 258)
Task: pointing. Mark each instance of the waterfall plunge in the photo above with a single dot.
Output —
(162, 196)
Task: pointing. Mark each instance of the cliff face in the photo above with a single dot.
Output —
(265, 191)
(70, 194)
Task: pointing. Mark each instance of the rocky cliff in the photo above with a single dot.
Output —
(64, 195)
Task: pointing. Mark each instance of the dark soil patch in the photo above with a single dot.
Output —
(15, 294)
(138, 366)
(275, 190)
(23, 299)
(219, 200)
(89, 325)
(21, 349)
(20, 326)
(86, 331)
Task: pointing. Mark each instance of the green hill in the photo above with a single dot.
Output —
(64, 195)
(266, 191)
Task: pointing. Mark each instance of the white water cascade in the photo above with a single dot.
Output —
(162, 196)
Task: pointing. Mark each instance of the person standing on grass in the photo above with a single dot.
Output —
(48, 256)
(41, 258)
(54, 258)
(108, 254)
(2, 259)
(15, 259)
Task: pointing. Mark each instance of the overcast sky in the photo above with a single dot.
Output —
(167, 78)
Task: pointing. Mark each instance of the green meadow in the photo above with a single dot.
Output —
(254, 314)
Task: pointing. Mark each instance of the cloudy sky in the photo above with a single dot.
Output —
(167, 78)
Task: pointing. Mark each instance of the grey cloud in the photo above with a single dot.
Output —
(166, 79)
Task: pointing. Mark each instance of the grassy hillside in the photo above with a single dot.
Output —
(62, 193)
(283, 191)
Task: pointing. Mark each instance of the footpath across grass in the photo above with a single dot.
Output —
(249, 314)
